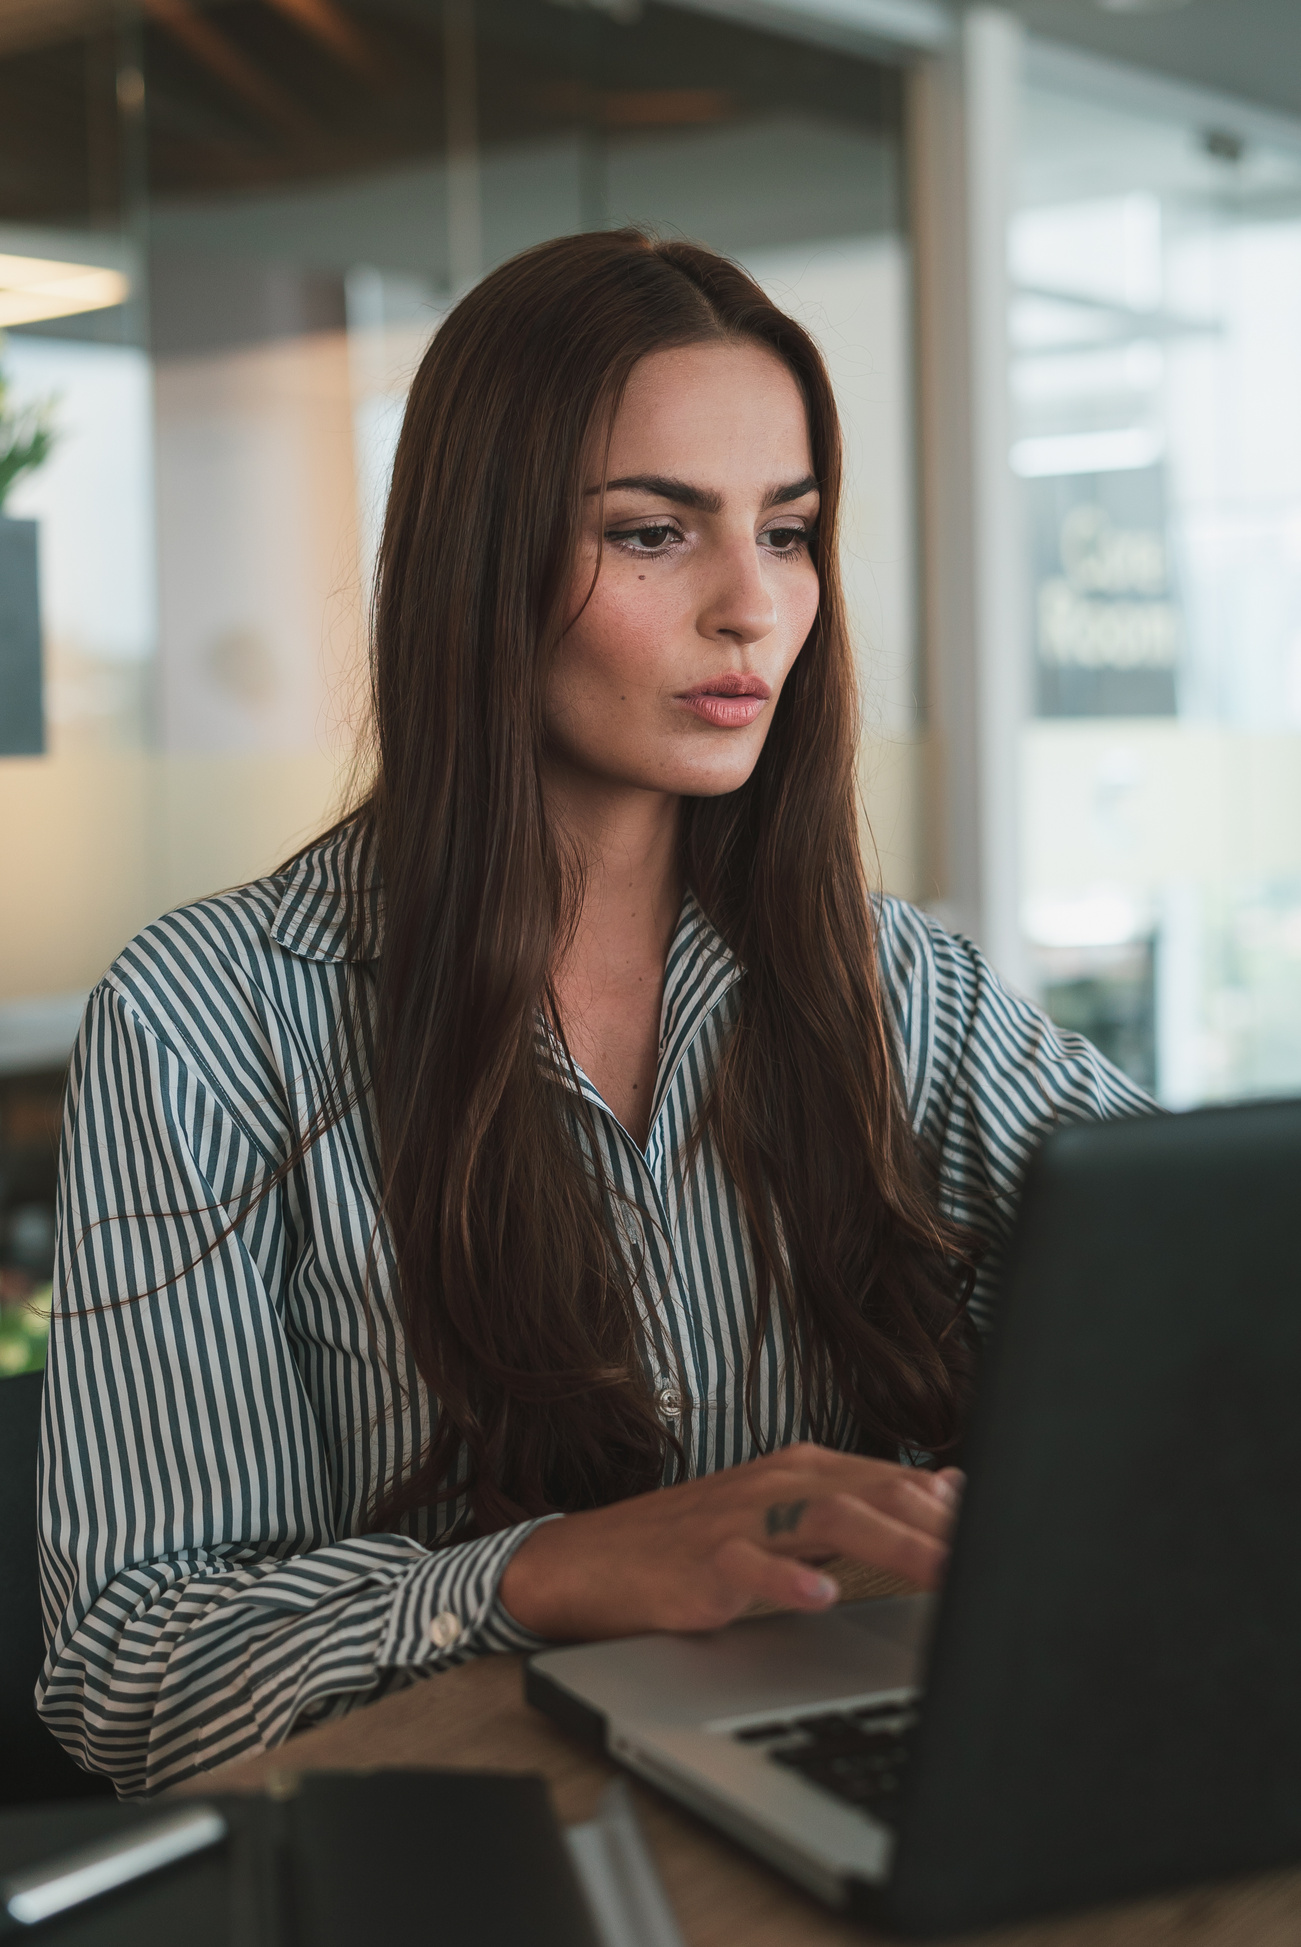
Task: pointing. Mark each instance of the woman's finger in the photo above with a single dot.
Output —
(757, 1574)
(916, 1500)
(921, 1500)
(809, 1469)
(872, 1535)
(846, 1525)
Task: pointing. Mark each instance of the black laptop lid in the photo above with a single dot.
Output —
(1114, 1700)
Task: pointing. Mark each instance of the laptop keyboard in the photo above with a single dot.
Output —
(858, 1755)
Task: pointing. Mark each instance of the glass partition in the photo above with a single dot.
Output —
(78, 605)
(1156, 314)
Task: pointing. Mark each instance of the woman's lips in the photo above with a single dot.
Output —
(727, 712)
(728, 702)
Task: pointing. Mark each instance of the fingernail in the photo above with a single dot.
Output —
(820, 1588)
(946, 1490)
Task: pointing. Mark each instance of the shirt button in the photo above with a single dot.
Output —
(444, 1630)
(669, 1401)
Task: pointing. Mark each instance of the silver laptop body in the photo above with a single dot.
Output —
(683, 1712)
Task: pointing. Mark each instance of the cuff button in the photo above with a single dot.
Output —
(444, 1630)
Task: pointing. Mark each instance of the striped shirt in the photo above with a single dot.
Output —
(211, 1448)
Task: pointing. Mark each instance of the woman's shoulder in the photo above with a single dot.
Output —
(928, 977)
(920, 960)
(200, 971)
(962, 1032)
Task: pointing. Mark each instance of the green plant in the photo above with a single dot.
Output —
(24, 1329)
(26, 436)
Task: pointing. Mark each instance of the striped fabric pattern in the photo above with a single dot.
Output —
(228, 1380)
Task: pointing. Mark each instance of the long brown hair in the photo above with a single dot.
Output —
(517, 1297)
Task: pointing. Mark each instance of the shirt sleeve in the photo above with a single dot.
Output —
(199, 1601)
(987, 1075)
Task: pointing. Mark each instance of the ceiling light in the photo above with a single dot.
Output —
(1113, 451)
(32, 288)
(1140, 6)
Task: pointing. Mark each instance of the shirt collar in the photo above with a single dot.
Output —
(312, 922)
(697, 973)
(312, 919)
(699, 970)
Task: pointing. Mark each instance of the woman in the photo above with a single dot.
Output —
(566, 1133)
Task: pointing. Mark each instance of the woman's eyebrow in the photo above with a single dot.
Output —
(796, 491)
(704, 499)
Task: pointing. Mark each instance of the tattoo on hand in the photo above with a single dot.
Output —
(785, 1518)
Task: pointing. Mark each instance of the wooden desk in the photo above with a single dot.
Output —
(475, 1717)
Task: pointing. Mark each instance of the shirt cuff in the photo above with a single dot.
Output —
(448, 1608)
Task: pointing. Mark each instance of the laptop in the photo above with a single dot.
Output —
(1105, 1701)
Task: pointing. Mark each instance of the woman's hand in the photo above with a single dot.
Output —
(696, 1555)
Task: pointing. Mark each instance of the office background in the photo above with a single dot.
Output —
(1053, 254)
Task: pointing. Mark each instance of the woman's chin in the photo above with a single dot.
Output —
(722, 761)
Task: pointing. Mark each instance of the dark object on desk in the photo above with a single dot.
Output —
(197, 1896)
(92, 1869)
(334, 1859)
(1108, 1694)
(463, 1858)
(35, 1766)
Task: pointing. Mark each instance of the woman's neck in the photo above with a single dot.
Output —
(609, 986)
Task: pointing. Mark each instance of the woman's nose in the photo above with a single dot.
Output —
(738, 602)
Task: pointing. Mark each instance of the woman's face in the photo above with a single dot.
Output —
(668, 679)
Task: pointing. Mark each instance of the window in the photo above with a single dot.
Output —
(1156, 311)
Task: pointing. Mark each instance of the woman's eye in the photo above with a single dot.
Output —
(650, 539)
(785, 540)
